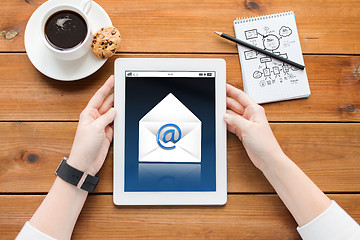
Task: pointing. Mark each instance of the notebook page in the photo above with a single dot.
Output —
(266, 79)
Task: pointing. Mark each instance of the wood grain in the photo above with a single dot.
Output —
(324, 141)
(328, 153)
(187, 26)
(26, 94)
(243, 217)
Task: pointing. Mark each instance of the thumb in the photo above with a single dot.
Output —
(236, 121)
(106, 118)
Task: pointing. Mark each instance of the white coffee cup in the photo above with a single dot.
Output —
(84, 47)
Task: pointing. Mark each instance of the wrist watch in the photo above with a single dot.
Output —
(76, 177)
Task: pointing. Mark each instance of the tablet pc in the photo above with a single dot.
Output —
(169, 132)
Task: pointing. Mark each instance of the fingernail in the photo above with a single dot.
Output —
(226, 116)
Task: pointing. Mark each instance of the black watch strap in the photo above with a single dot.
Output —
(76, 177)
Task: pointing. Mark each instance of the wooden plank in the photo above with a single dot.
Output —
(243, 217)
(187, 26)
(26, 94)
(328, 153)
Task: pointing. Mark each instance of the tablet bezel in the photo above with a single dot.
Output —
(218, 197)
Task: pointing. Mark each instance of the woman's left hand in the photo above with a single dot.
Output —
(94, 132)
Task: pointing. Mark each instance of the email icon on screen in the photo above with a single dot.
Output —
(170, 132)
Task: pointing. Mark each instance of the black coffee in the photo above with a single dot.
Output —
(65, 30)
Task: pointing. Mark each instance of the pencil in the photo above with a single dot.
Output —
(297, 65)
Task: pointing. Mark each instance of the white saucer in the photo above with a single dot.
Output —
(46, 62)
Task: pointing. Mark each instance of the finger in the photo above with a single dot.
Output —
(106, 118)
(230, 128)
(109, 132)
(255, 113)
(234, 105)
(229, 111)
(239, 95)
(235, 120)
(107, 104)
(97, 100)
(112, 127)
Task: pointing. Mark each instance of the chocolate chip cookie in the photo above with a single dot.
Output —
(105, 42)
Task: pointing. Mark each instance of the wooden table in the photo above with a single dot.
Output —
(321, 134)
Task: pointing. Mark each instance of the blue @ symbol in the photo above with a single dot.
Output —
(171, 132)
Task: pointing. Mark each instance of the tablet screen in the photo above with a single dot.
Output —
(169, 131)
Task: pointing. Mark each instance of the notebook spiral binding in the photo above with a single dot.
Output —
(263, 17)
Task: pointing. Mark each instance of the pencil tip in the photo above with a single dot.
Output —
(218, 33)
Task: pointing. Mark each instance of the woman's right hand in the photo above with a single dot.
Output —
(248, 121)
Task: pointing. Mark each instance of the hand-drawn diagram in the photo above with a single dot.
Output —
(270, 71)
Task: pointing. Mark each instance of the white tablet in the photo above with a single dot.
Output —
(170, 136)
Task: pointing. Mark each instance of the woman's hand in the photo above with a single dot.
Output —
(94, 132)
(248, 121)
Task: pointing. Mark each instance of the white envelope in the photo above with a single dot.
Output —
(170, 111)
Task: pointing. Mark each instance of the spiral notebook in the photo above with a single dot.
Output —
(266, 79)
